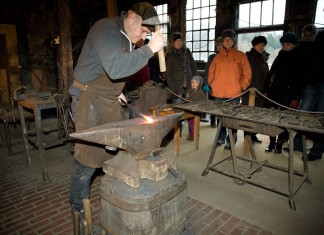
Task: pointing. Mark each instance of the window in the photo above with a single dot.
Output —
(200, 26)
(319, 15)
(262, 13)
(259, 14)
(162, 11)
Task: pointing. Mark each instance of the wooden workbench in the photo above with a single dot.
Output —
(164, 110)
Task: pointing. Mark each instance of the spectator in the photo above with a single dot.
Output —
(283, 85)
(258, 58)
(180, 66)
(229, 74)
(306, 47)
(206, 87)
(308, 33)
(313, 98)
(106, 59)
(194, 94)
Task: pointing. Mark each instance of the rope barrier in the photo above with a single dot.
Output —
(242, 94)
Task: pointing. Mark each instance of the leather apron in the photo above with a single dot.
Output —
(98, 105)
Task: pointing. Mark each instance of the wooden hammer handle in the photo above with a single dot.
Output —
(161, 56)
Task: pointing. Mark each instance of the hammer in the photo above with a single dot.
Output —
(161, 55)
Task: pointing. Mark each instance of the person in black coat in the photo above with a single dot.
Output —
(258, 58)
(284, 83)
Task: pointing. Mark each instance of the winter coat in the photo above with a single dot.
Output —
(229, 73)
(285, 81)
(180, 68)
(195, 94)
(260, 70)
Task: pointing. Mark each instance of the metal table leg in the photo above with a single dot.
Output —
(24, 134)
(41, 143)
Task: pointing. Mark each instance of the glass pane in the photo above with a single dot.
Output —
(189, 45)
(189, 15)
(273, 46)
(204, 34)
(213, 2)
(196, 13)
(212, 34)
(196, 46)
(212, 23)
(189, 36)
(196, 24)
(319, 15)
(205, 3)
(255, 14)
(204, 24)
(204, 12)
(165, 8)
(196, 36)
(211, 46)
(196, 3)
(190, 4)
(195, 56)
(204, 56)
(244, 14)
(204, 46)
(279, 9)
(212, 11)
(189, 25)
(266, 18)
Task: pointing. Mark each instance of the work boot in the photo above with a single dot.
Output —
(279, 146)
(272, 144)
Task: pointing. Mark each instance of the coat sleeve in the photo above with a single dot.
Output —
(246, 73)
(210, 59)
(211, 72)
(193, 66)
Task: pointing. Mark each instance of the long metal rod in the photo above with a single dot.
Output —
(138, 113)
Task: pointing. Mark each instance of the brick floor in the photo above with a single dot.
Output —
(30, 206)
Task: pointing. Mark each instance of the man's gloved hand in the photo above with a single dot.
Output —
(206, 88)
(121, 96)
(162, 76)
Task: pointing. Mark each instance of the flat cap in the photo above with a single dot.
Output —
(147, 12)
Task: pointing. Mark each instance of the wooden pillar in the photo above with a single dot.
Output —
(65, 67)
(177, 16)
(112, 9)
(298, 14)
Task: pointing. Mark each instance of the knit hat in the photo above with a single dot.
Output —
(197, 78)
(259, 39)
(229, 33)
(219, 40)
(147, 12)
(289, 38)
(310, 28)
(176, 36)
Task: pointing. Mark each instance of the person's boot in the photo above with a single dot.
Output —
(272, 145)
(279, 146)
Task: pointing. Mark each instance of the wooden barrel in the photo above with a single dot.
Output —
(153, 208)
